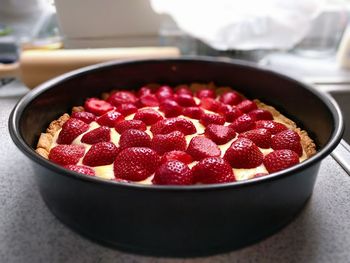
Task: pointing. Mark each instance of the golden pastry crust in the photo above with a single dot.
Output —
(306, 142)
(45, 139)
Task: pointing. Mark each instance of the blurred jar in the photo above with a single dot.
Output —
(325, 32)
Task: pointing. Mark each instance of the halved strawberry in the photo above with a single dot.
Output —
(134, 138)
(260, 114)
(80, 169)
(66, 154)
(232, 114)
(101, 153)
(84, 116)
(177, 155)
(127, 109)
(71, 129)
(193, 112)
(242, 123)
(97, 106)
(247, 106)
(173, 173)
(183, 89)
(210, 104)
(185, 100)
(261, 137)
(211, 118)
(173, 124)
(224, 108)
(272, 126)
(122, 126)
(164, 93)
(163, 143)
(110, 118)
(219, 134)
(149, 100)
(206, 93)
(230, 98)
(287, 139)
(280, 159)
(201, 147)
(243, 153)
(136, 163)
(170, 108)
(143, 91)
(213, 170)
(148, 116)
(100, 134)
(121, 97)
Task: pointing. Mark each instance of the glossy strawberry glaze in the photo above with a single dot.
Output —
(106, 171)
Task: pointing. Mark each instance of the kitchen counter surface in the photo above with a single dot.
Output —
(30, 233)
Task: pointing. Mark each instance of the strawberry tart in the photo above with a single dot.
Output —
(183, 135)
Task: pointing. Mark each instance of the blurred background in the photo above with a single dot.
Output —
(307, 39)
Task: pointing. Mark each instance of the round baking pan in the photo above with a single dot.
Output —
(176, 221)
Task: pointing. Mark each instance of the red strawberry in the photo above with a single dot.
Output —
(177, 155)
(213, 170)
(260, 114)
(163, 143)
(71, 129)
(185, 100)
(243, 123)
(230, 98)
(193, 112)
(280, 159)
(170, 108)
(122, 126)
(101, 153)
(164, 92)
(202, 147)
(134, 138)
(219, 134)
(211, 118)
(206, 93)
(97, 106)
(247, 106)
(272, 126)
(80, 169)
(144, 91)
(210, 104)
(84, 116)
(173, 124)
(121, 97)
(183, 89)
(149, 100)
(232, 114)
(110, 118)
(243, 153)
(261, 137)
(100, 134)
(66, 154)
(287, 139)
(224, 108)
(136, 163)
(173, 173)
(127, 109)
(148, 116)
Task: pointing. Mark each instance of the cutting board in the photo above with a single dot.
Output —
(37, 66)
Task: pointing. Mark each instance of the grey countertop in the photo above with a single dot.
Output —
(30, 233)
